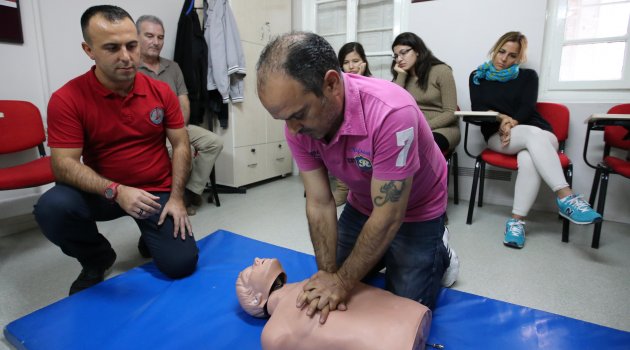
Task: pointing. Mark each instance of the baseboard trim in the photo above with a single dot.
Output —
(17, 224)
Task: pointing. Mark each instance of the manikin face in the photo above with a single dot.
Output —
(114, 49)
(352, 63)
(253, 285)
(151, 38)
(260, 276)
(304, 112)
(507, 55)
(405, 57)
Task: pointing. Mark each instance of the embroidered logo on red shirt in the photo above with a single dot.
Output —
(157, 115)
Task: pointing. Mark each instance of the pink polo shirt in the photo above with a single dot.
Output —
(383, 136)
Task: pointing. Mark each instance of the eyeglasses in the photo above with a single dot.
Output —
(401, 53)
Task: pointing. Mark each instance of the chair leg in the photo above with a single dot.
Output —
(565, 230)
(482, 181)
(455, 170)
(214, 195)
(448, 171)
(600, 209)
(568, 174)
(594, 187)
(473, 192)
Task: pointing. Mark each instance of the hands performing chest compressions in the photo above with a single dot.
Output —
(374, 319)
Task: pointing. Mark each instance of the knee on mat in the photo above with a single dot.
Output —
(178, 268)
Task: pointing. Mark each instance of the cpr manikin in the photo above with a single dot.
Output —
(374, 319)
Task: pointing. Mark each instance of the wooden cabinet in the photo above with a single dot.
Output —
(254, 144)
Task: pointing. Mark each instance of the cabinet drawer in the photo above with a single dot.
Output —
(279, 158)
(250, 164)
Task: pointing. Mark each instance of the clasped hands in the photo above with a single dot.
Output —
(505, 129)
(141, 204)
(324, 292)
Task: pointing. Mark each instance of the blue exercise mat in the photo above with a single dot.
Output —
(141, 309)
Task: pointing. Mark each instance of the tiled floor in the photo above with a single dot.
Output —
(570, 279)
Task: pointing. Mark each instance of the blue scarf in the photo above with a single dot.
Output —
(488, 72)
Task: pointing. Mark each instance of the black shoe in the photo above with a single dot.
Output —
(143, 249)
(191, 198)
(91, 275)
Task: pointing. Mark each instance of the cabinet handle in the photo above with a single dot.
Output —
(253, 150)
(253, 165)
(280, 159)
(280, 145)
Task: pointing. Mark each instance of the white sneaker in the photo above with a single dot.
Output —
(450, 275)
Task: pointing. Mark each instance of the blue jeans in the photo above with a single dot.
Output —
(67, 216)
(415, 260)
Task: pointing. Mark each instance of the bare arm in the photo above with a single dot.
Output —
(184, 103)
(390, 205)
(326, 291)
(181, 168)
(322, 218)
(67, 167)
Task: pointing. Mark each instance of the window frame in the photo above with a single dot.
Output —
(592, 90)
(398, 26)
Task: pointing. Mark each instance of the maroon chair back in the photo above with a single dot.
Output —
(614, 135)
(558, 116)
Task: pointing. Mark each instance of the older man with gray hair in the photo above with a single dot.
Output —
(206, 144)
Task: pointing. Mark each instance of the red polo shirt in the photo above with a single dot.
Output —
(123, 138)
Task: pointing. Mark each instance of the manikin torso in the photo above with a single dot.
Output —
(375, 319)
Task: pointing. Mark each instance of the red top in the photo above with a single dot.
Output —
(123, 138)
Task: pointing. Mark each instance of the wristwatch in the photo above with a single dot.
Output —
(112, 191)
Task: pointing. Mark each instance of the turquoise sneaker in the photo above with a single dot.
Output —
(514, 233)
(577, 210)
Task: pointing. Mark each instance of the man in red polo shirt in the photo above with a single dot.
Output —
(117, 121)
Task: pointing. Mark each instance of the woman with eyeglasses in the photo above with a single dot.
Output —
(352, 59)
(430, 81)
(501, 85)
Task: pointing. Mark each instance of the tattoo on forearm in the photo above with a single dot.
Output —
(391, 193)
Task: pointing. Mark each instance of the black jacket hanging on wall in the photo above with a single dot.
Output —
(191, 53)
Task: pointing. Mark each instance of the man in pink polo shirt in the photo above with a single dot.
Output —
(370, 134)
(107, 132)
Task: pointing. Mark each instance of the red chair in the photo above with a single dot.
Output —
(613, 138)
(23, 129)
(558, 116)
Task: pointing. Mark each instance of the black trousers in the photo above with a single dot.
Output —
(67, 216)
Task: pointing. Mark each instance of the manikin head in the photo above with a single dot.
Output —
(254, 284)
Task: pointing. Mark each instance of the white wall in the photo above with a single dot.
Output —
(50, 56)
(461, 32)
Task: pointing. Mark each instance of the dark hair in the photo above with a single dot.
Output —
(303, 56)
(110, 12)
(354, 47)
(425, 59)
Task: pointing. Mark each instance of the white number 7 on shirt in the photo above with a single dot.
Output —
(404, 138)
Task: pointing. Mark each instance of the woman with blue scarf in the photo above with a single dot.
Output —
(501, 85)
